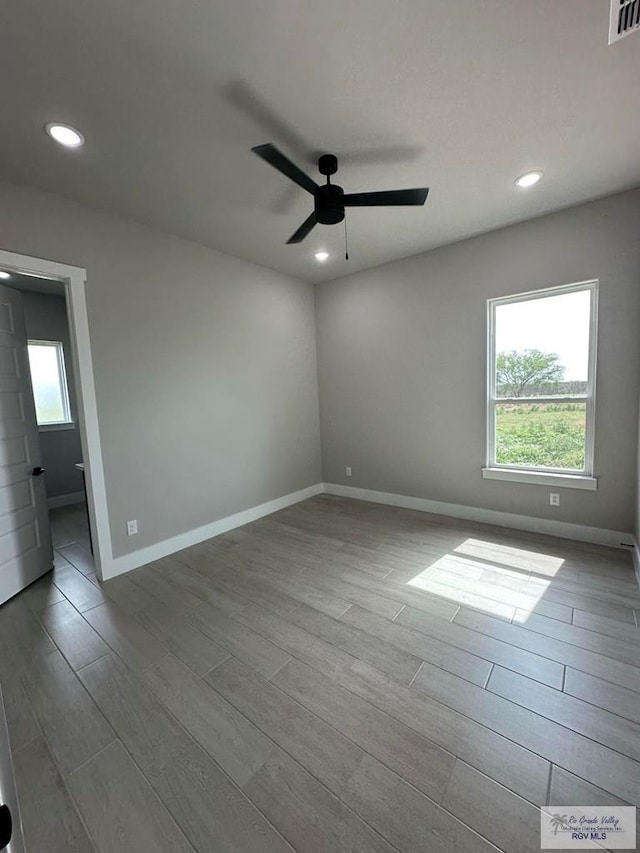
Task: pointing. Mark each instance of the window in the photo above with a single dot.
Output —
(542, 351)
(49, 382)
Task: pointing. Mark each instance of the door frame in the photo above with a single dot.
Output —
(74, 280)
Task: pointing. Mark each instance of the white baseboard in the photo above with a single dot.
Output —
(120, 565)
(65, 500)
(635, 553)
(562, 529)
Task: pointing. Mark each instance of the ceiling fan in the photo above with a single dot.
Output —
(330, 200)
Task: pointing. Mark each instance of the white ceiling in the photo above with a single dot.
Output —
(34, 284)
(461, 97)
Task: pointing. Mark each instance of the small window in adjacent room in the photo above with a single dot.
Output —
(49, 381)
(542, 355)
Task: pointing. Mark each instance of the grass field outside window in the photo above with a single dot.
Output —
(541, 435)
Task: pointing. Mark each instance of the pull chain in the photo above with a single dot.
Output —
(346, 241)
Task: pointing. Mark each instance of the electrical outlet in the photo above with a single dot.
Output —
(347, 471)
(554, 498)
(132, 527)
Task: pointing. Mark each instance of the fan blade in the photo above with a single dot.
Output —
(390, 197)
(277, 159)
(304, 229)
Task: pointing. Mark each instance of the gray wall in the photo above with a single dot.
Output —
(401, 359)
(637, 518)
(205, 367)
(46, 319)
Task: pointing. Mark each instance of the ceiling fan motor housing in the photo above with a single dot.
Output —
(328, 164)
(329, 204)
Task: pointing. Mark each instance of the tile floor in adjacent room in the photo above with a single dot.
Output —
(69, 525)
(339, 676)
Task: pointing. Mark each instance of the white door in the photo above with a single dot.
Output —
(25, 538)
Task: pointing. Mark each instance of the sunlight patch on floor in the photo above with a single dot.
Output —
(511, 595)
(518, 558)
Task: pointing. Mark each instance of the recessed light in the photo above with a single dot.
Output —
(321, 256)
(4, 274)
(528, 179)
(65, 134)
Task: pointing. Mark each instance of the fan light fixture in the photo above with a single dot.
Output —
(321, 256)
(528, 179)
(65, 134)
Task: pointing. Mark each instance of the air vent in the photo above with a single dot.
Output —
(624, 19)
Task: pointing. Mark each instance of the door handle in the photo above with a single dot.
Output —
(37, 471)
(6, 827)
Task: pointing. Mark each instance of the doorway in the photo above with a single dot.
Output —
(60, 356)
(56, 409)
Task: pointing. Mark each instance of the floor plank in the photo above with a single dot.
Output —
(21, 724)
(171, 595)
(118, 803)
(400, 748)
(402, 665)
(629, 633)
(481, 803)
(50, 821)
(492, 649)
(197, 584)
(129, 597)
(297, 642)
(600, 643)
(422, 645)
(379, 604)
(505, 760)
(581, 599)
(322, 750)
(73, 727)
(22, 638)
(411, 821)
(618, 672)
(69, 525)
(211, 810)
(328, 603)
(79, 557)
(77, 588)
(135, 646)
(578, 754)
(335, 761)
(73, 635)
(496, 590)
(566, 789)
(252, 588)
(199, 652)
(483, 593)
(597, 724)
(239, 640)
(608, 583)
(409, 596)
(618, 700)
(229, 738)
(307, 815)
(41, 594)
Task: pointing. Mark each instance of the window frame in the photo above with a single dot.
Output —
(571, 478)
(68, 422)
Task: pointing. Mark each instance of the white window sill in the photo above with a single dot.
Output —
(542, 478)
(56, 427)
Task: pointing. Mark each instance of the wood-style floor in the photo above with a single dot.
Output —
(339, 676)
